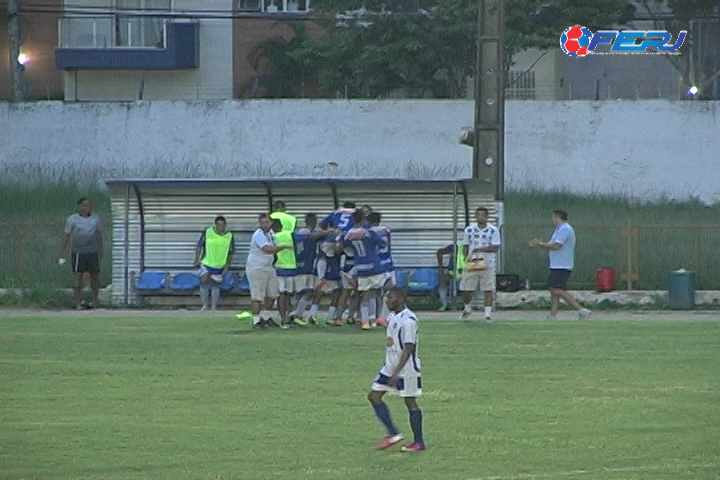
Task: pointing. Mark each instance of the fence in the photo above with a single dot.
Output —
(641, 255)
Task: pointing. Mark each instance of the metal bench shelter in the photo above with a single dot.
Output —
(156, 222)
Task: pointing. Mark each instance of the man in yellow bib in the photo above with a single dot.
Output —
(288, 222)
(215, 247)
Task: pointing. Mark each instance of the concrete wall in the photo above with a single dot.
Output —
(644, 149)
(213, 80)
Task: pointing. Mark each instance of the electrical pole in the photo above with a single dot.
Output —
(489, 130)
(14, 34)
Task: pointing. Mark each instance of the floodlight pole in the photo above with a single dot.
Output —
(16, 68)
(488, 146)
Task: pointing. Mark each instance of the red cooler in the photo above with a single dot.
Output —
(604, 279)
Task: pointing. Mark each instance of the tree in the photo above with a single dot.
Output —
(699, 66)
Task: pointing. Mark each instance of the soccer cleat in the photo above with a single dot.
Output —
(444, 308)
(488, 319)
(413, 447)
(260, 325)
(584, 314)
(382, 322)
(388, 441)
(338, 322)
(465, 315)
(299, 321)
(550, 317)
(365, 326)
(243, 315)
(313, 321)
(204, 308)
(284, 326)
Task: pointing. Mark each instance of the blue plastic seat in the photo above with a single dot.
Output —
(150, 280)
(424, 280)
(400, 278)
(244, 283)
(228, 282)
(185, 281)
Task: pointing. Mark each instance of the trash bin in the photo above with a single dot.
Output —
(681, 287)
(604, 279)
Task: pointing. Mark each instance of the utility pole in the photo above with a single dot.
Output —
(14, 33)
(489, 130)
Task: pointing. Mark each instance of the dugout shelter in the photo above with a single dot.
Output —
(156, 222)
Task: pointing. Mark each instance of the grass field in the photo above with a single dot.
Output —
(32, 250)
(132, 397)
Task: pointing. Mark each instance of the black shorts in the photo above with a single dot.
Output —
(558, 278)
(85, 263)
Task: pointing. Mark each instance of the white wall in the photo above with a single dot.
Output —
(644, 149)
(212, 80)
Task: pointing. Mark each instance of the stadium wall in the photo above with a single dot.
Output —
(643, 149)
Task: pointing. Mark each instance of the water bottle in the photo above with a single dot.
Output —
(527, 284)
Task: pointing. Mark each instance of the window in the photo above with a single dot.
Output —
(272, 6)
(139, 23)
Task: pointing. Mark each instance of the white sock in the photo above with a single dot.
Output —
(331, 313)
(214, 296)
(321, 267)
(488, 311)
(372, 309)
(314, 310)
(364, 312)
(443, 292)
(301, 306)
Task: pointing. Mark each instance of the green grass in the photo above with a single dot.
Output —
(598, 220)
(132, 397)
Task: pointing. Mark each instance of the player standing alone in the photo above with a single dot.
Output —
(400, 374)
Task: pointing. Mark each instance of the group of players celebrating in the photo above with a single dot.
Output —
(346, 255)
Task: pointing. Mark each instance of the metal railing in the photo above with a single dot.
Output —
(642, 255)
(113, 31)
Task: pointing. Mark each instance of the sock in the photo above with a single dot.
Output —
(372, 309)
(314, 309)
(443, 292)
(321, 267)
(384, 311)
(416, 425)
(301, 306)
(215, 292)
(383, 414)
(468, 307)
(256, 319)
(332, 311)
(204, 295)
(379, 304)
(364, 312)
(488, 311)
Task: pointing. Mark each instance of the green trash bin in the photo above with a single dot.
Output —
(681, 287)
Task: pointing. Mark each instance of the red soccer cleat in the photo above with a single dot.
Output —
(388, 441)
(382, 322)
(413, 447)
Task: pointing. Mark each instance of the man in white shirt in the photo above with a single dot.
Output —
(561, 256)
(261, 273)
(481, 242)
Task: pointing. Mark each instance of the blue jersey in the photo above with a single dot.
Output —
(340, 219)
(305, 252)
(332, 273)
(365, 245)
(385, 252)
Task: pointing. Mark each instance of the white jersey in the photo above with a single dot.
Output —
(401, 328)
(256, 257)
(475, 237)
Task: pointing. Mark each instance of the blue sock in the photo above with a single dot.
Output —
(382, 412)
(416, 425)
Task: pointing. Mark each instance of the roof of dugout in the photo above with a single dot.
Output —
(157, 222)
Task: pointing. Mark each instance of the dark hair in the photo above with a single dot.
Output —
(374, 217)
(482, 209)
(399, 291)
(220, 218)
(83, 199)
(310, 216)
(358, 216)
(367, 207)
(278, 204)
(262, 216)
(349, 205)
(276, 223)
(561, 214)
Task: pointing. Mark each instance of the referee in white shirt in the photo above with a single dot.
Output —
(261, 273)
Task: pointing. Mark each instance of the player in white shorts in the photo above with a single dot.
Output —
(400, 374)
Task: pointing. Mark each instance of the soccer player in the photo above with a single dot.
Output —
(340, 219)
(400, 374)
(561, 253)
(365, 244)
(330, 284)
(84, 228)
(260, 272)
(448, 273)
(386, 260)
(286, 271)
(289, 222)
(481, 241)
(214, 253)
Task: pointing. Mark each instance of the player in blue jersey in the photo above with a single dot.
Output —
(365, 244)
(400, 374)
(305, 255)
(386, 260)
(330, 284)
(340, 219)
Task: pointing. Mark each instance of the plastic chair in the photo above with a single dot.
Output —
(185, 281)
(244, 283)
(228, 282)
(424, 280)
(150, 281)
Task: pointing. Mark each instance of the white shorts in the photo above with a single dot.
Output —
(407, 386)
(286, 284)
(304, 283)
(263, 283)
(347, 281)
(471, 279)
(328, 248)
(373, 282)
(390, 279)
(329, 286)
